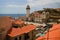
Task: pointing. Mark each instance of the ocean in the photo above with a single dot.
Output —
(13, 15)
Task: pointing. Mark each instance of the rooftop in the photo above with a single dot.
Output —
(18, 31)
(17, 21)
(54, 33)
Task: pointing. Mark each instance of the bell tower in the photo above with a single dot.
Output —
(27, 11)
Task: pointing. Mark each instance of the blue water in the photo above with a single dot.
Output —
(13, 15)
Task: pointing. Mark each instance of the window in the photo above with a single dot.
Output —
(26, 36)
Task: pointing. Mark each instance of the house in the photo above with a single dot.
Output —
(52, 34)
(58, 9)
(24, 33)
(17, 23)
(36, 17)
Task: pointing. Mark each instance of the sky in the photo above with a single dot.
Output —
(19, 6)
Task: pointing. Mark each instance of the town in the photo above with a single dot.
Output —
(38, 25)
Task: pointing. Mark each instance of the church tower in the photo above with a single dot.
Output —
(27, 11)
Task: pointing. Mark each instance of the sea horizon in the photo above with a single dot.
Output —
(13, 15)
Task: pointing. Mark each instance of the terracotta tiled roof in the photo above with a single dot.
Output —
(15, 31)
(28, 28)
(18, 31)
(58, 8)
(54, 33)
(5, 22)
(5, 26)
(18, 22)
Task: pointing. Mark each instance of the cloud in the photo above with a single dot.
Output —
(30, 0)
(35, 3)
(12, 8)
(15, 6)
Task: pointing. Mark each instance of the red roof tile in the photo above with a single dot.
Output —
(28, 28)
(18, 22)
(58, 8)
(15, 31)
(54, 33)
(18, 31)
